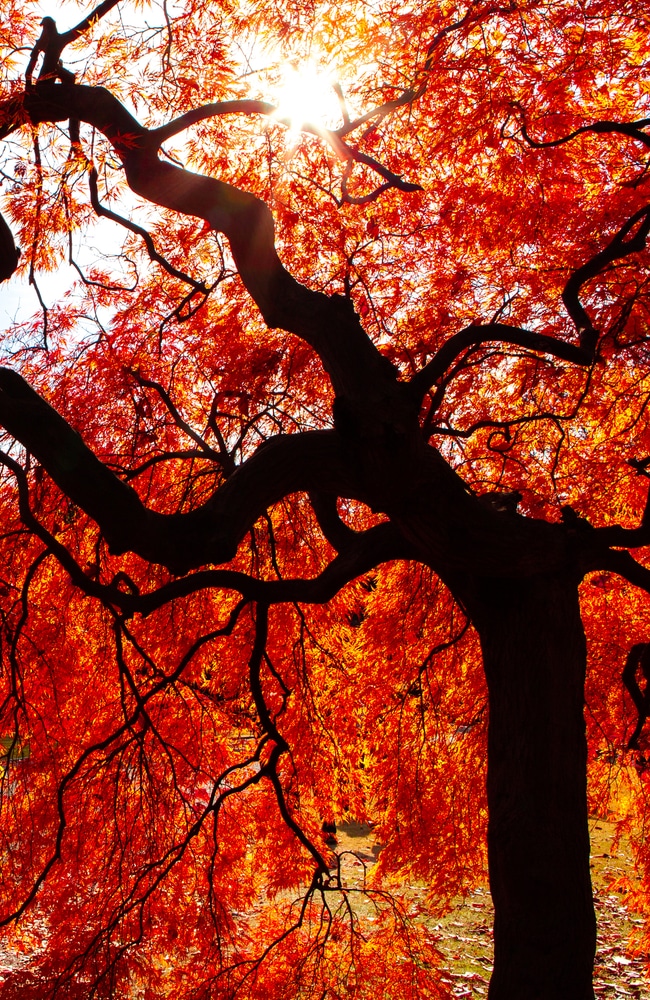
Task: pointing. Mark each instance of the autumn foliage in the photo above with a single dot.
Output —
(238, 602)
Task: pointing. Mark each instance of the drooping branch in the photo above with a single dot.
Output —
(638, 659)
(106, 213)
(622, 245)
(364, 551)
(630, 238)
(62, 452)
(431, 508)
(109, 742)
(379, 544)
(269, 726)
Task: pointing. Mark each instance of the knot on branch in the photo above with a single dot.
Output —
(503, 502)
(638, 660)
(51, 44)
(575, 524)
(589, 341)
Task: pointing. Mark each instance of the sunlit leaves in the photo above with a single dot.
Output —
(146, 804)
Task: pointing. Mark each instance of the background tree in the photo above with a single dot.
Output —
(303, 477)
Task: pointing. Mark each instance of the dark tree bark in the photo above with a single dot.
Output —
(516, 576)
(538, 840)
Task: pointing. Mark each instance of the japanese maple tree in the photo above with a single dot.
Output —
(324, 493)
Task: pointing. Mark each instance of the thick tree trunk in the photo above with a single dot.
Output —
(538, 841)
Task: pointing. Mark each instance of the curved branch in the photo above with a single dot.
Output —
(440, 519)
(497, 425)
(365, 551)
(159, 135)
(623, 564)
(198, 286)
(328, 323)
(473, 336)
(631, 129)
(336, 531)
(621, 245)
(211, 533)
(180, 422)
(52, 44)
(638, 659)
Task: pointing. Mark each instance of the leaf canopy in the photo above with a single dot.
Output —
(214, 636)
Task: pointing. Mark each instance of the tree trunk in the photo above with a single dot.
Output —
(538, 840)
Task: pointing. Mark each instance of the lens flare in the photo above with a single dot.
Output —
(305, 98)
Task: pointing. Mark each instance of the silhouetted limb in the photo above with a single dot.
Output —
(630, 238)
(9, 252)
(638, 659)
(484, 333)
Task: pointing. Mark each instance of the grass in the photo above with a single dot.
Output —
(464, 935)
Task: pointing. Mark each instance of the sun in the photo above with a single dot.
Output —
(306, 97)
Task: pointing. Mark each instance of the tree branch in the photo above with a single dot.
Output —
(473, 336)
(623, 564)
(180, 422)
(250, 107)
(52, 44)
(336, 531)
(412, 94)
(106, 213)
(328, 323)
(157, 136)
(627, 538)
(621, 245)
(377, 545)
(364, 551)
(9, 252)
(269, 726)
(282, 465)
(631, 129)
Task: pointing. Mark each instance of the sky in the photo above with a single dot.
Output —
(301, 93)
(18, 300)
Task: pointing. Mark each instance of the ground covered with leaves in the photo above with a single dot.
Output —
(464, 935)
